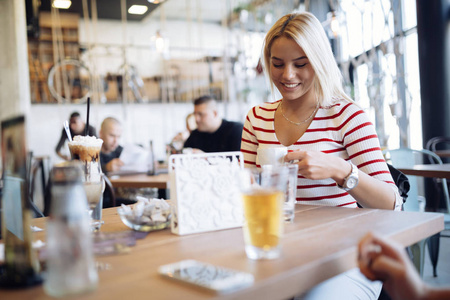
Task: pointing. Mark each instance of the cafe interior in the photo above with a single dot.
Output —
(143, 63)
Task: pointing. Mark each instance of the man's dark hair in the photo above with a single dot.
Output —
(75, 115)
(204, 99)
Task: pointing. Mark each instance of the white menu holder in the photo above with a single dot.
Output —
(204, 191)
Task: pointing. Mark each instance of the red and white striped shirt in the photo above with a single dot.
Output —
(342, 130)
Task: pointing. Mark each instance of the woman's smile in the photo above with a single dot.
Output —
(291, 85)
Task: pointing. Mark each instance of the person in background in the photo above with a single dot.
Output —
(213, 134)
(110, 133)
(332, 140)
(77, 127)
(385, 260)
(177, 143)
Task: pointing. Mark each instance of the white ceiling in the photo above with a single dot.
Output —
(213, 11)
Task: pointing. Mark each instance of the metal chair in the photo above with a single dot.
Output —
(37, 181)
(437, 143)
(406, 157)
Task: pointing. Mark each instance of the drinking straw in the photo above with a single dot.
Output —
(67, 129)
(87, 116)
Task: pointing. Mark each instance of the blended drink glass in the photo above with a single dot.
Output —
(87, 150)
(263, 194)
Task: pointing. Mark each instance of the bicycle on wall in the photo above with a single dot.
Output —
(71, 81)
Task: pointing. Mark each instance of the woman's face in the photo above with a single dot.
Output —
(290, 69)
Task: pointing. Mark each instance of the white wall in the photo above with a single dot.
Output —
(207, 39)
(14, 78)
(14, 73)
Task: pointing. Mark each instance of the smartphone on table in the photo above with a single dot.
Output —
(211, 277)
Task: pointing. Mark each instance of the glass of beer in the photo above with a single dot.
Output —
(263, 194)
(87, 150)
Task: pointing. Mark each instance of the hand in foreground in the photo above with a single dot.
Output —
(114, 165)
(380, 259)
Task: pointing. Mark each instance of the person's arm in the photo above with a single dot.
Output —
(188, 142)
(113, 165)
(111, 162)
(249, 142)
(376, 188)
(370, 192)
(192, 143)
(381, 259)
(235, 137)
(60, 144)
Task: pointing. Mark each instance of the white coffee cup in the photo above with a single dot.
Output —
(271, 155)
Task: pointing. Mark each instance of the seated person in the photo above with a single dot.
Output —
(213, 134)
(177, 143)
(385, 260)
(77, 127)
(110, 133)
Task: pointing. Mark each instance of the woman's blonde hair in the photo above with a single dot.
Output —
(308, 33)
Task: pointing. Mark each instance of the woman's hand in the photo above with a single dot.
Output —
(317, 165)
(370, 192)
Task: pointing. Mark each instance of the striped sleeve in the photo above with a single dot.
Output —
(249, 142)
(258, 131)
(363, 148)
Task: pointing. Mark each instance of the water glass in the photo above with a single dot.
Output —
(291, 193)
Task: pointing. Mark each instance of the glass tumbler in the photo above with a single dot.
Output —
(263, 195)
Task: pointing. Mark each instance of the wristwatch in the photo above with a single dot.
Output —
(351, 180)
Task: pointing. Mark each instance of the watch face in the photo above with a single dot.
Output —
(351, 182)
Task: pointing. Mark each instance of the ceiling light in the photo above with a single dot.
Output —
(156, 1)
(64, 4)
(334, 24)
(137, 9)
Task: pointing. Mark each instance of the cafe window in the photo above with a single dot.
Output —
(380, 65)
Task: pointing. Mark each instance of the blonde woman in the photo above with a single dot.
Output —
(327, 134)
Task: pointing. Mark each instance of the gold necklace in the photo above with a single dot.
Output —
(302, 122)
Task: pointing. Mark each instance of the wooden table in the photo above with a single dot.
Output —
(160, 181)
(321, 243)
(434, 170)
